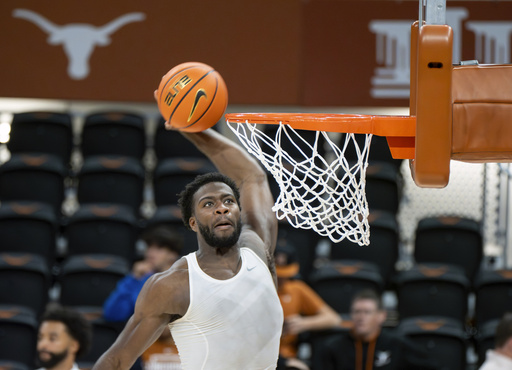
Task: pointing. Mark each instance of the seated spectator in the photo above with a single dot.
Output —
(501, 356)
(163, 247)
(303, 309)
(64, 335)
(367, 346)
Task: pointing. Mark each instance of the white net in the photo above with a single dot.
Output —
(327, 196)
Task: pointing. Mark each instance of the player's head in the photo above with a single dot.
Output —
(367, 314)
(163, 246)
(208, 200)
(64, 334)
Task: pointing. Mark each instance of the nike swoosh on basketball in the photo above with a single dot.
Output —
(199, 94)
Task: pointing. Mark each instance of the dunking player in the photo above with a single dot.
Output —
(220, 302)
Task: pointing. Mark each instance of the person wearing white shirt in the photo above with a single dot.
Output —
(501, 356)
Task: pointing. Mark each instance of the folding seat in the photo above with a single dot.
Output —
(104, 335)
(442, 338)
(18, 335)
(433, 290)
(172, 175)
(87, 280)
(43, 133)
(450, 240)
(383, 186)
(24, 281)
(383, 248)
(170, 215)
(111, 179)
(33, 177)
(304, 241)
(113, 133)
(338, 281)
(492, 295)
(102, 229)
(172, 144)
(28, 227)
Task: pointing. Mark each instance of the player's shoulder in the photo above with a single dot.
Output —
(174, 277)
(252, 241)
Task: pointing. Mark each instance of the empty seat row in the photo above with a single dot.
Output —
(102, 133)
(101, 179)
(99, 228)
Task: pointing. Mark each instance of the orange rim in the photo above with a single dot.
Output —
(400, 131)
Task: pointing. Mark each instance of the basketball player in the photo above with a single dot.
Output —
(220, 302)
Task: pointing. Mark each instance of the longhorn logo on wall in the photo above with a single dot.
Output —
(391, 77)
(78, 39)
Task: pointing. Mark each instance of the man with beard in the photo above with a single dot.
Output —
(64, 335)
(367, 346)
(220, 302)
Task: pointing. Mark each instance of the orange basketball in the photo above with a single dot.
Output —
(192, 97)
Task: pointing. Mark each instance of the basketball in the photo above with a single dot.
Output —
(192, 97)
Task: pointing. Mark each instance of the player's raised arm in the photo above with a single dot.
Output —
(256, 198)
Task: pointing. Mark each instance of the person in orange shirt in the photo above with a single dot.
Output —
(162, 355)
(303, 308)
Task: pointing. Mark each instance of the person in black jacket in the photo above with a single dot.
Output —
(367, 347)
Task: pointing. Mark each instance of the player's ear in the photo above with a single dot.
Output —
(193, 224)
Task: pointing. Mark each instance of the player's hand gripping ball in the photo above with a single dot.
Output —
(192, 97)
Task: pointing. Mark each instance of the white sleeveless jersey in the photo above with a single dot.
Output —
(232, 324)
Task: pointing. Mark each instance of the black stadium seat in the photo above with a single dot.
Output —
(338, 281)
(113, 133)
(43, 133)
(24, 281)
(33, 177)
(28, 227)
(102, 228)
(87, 280)
(18, 334)
(111, 179)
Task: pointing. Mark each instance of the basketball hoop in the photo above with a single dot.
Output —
(456, 112)
(317, 192)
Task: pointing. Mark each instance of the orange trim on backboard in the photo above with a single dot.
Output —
(431, 81)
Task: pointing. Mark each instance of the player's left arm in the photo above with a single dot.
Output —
(158, 298)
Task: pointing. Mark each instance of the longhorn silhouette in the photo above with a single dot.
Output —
(78, 39)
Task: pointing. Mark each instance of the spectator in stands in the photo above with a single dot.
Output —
(367, 346)
(163, 248)
(303, 309)
(501, 356)
(64, 335)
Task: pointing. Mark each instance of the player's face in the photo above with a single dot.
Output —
(366, 317)
(54, 344)
(217, 215)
